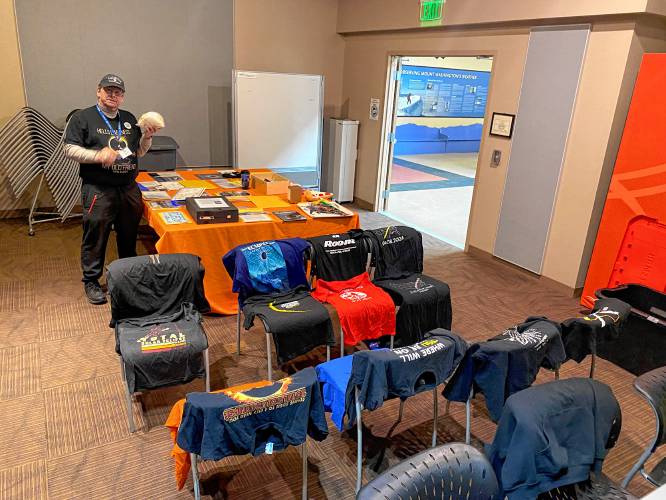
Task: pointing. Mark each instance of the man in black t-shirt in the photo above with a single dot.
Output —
(106, 142)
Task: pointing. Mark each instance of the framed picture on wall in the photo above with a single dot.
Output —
(501, 125)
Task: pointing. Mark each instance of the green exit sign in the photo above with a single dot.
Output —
(431, 10)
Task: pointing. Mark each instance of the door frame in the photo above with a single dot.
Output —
(383, 166)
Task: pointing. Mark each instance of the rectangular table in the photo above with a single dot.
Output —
(212, 241)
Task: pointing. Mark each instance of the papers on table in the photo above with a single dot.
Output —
(193, 183)
(158, 205)
(226, 184)
(255, 217)
(317, 209)
(174, 217)
(171, 186)
(188, 193)
(268, 201)
(155, 195)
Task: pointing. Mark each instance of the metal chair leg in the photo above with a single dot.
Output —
(328, 353)
(304, 452)
(557, 373)
(400, 411)
(359, 442)
(269, 361)
(207, 363)
(238, 328)
(592, 365)
(195, 476)
(342, 342)
(392, 337)
(435, 415)
(128, 398)
(638, 466)
(468, 418)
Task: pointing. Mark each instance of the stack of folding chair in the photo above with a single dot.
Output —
(30, 147)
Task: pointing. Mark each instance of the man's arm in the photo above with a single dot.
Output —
(80, 154)
(146, 140)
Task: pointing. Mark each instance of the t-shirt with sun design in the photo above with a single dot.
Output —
(87, 129)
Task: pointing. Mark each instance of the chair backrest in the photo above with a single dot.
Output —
(266, 266)
(155, 285)
(397, 251)
(652, 385)
(339, 257)
(453, 470)
(551, 432)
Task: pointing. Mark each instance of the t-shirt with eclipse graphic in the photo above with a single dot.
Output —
(87, 129)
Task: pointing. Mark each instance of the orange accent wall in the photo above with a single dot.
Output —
(638, 184)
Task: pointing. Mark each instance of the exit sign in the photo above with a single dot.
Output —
(431, 10)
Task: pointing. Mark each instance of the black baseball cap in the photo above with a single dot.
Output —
(112, 80)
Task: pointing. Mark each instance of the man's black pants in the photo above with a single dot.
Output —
(104, 207)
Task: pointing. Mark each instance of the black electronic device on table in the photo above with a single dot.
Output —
(211, 209)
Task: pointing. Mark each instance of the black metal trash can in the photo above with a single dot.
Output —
(641, 345)
(160, 156)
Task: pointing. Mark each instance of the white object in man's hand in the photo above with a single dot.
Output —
(107, 156)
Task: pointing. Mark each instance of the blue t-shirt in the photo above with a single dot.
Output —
(333, 377)
(266, 267)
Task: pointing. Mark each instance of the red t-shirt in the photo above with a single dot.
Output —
(365, 310)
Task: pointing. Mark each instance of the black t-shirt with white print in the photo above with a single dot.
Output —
(89, 130)
(339, 257)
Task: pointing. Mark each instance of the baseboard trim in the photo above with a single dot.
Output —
(549, 282)
(365, 205)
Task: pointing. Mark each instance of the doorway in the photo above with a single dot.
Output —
(434, 120)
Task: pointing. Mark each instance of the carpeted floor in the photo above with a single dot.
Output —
(64, 432)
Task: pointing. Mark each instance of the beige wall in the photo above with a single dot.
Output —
(377, 15)
(586, 162)
(10, 70)
(291, 36)
(366, 59)
(609, 72)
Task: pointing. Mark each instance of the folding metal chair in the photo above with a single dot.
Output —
(174, 279)
(304, 488)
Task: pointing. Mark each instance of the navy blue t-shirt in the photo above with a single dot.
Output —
(403, 372)
(218, 425)
(266, 266)
(507, 363)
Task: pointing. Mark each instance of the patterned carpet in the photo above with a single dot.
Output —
(64, 432)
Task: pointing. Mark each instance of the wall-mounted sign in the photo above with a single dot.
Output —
(431, 10)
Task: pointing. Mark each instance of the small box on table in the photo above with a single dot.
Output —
(266, 183)
(211, 210)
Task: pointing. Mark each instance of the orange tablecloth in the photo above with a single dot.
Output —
(212, 241)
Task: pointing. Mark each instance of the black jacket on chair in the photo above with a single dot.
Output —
(425, 302)
(156, 301)
(553, 435)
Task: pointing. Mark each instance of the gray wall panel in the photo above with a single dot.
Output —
(550, 84)
(169, 52)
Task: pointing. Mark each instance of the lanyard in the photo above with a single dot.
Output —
(106, 120)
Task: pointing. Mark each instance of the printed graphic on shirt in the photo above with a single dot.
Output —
(279, 398)
(530, 337)
(162, 338)
(287, 307)
(419, 350)
(266, 266)
(336, 246)
(354, 296)
(392, 235)
(413, 287)
(603, 315)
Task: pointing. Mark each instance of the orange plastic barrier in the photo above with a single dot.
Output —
(212, 241)
(638, 185)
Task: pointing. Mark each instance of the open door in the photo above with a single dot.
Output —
(388, 131)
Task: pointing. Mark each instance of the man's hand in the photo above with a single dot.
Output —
(107, 156)
(148, 132)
